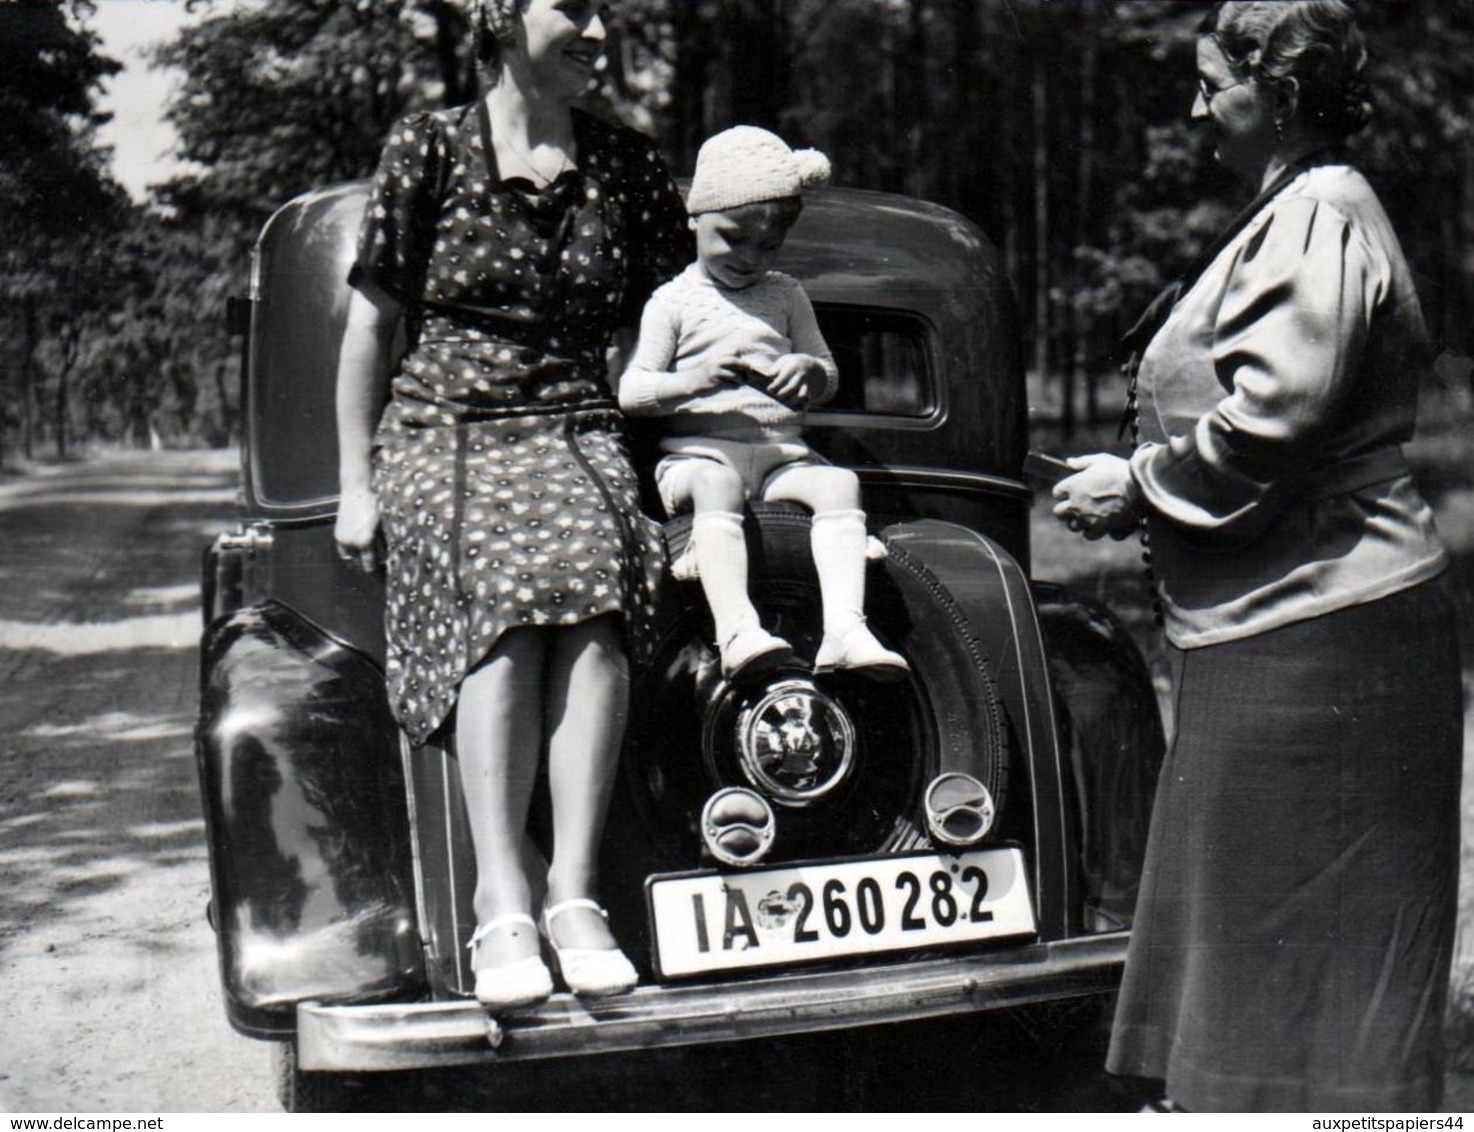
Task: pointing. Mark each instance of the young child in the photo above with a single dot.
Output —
(730, 355)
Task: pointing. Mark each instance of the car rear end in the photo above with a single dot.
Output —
(850, 883)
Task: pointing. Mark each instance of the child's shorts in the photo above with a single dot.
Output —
(755, 463)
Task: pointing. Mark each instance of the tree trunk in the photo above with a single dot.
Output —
(1090, 50)
(913, 101)
(63, 384)
(757, 55)
(60, 422)
(961, 115)
(1041, 244)
(450, 32)
(1465, 240)
(1009, 115)
(227, 414)
(28, 381)
(891, 83)
(690, 85)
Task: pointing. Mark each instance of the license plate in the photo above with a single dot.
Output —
(829, 909)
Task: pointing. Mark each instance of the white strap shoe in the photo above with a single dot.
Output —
(856, 649)
(505, 986)
(753, 654)
(589, 971)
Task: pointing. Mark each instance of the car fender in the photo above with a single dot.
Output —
(1111, 732)
(305, 812)
(992, 591)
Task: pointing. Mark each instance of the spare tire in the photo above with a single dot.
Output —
(686, 734)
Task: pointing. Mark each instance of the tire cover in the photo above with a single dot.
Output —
(946, 717)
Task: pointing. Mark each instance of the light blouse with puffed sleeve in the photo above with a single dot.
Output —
(1273, 403)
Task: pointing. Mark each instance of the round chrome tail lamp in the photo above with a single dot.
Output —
(795, 742)
(738, 826)
(959, 809)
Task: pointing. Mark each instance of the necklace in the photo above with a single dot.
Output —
(538, 172)
(550, 228)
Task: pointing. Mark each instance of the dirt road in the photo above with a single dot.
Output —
(107, 967)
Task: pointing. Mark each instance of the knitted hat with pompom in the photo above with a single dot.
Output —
(745, 165)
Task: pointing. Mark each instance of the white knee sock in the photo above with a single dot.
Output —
(839, 544)
(721, 560)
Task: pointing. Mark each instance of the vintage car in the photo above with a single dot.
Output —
(807, 854)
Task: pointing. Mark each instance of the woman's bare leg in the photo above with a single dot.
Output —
(587, 706)
(499, 730)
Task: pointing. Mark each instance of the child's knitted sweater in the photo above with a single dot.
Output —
(692, 319)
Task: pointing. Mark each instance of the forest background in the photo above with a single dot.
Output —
(1059, 126)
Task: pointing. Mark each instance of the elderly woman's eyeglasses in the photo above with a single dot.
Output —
(1209, 93)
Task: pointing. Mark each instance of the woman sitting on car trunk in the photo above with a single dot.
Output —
(511, 236)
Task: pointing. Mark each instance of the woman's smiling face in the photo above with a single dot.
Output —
(1238, 108)
(562, 41)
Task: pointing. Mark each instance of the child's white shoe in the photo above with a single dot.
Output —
(750, 654)
(856, 649)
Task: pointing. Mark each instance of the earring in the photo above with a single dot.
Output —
(1279, 129)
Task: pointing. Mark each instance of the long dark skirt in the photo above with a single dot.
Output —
(1292, 942)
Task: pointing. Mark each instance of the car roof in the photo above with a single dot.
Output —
(900, 241)
(851, 248)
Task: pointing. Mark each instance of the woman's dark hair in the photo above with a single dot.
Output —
(491, 27)
(1315, 43)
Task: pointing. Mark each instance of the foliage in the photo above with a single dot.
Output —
(51, 175)
(103, 334)
(163, 358)
(57, 193)
(278, 97)
(288, 95)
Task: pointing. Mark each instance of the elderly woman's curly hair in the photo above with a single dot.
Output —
(1315, 44)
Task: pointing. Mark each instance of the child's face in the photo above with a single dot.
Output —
(737, 247)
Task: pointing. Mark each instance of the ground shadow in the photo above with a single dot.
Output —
(98, 681)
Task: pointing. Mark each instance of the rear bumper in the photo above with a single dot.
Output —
(387, 1036)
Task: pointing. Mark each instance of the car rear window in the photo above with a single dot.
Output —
(884, 361)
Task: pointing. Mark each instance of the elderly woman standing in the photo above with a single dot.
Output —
(1292, 943)
(512, 237)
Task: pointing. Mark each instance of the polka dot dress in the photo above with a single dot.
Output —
(502, 477)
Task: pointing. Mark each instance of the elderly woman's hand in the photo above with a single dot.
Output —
(1101, 498)
(357, 529)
